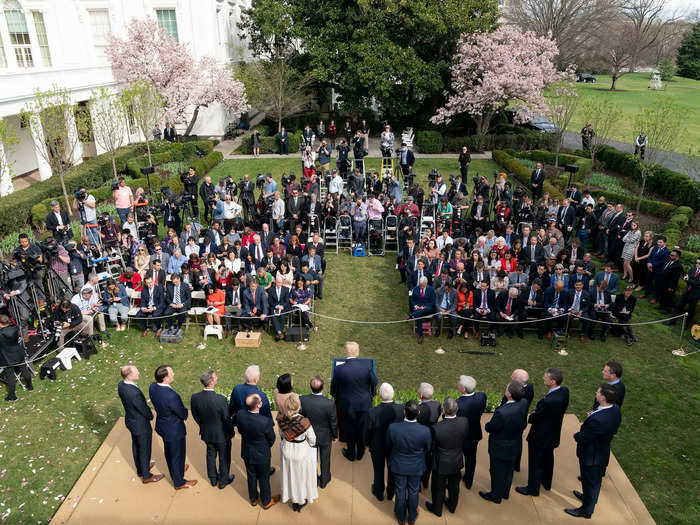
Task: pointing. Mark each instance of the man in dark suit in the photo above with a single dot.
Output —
(415, 275)
(593, 449)
(566, 218)
(405, 259)
(422, 303)
(321, 412)
(137, 418)
(257, 437)
(582, 308)
(522, 377)
(406, 159)
(170, 425)
(505, 441)
(428, 415)
(532, 305)
(510, 311)
(284, 141)
(409, 442)
(556, 303)
(532, 253)
(667, 281)
(378, 421)
(545, 431)
(178, 301)
(254, 304)
(579, 275)
(294, 207)
(278, 306)
(602, 307)
(446, 305)
(612, 373)
(152, 305)
(157, 273)
(622, 311)
(58, 223)
(537, 181)
(691, 294)
(484, 304)
(448, 439)
(471, 405)
(353, 386)
(210, 411)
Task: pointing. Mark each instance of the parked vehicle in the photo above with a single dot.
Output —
(587, 78)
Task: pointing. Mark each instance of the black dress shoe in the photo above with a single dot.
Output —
(430, 507)
(488, 497)
(577, 513)
(213, 482)
(578, 494)
(578, 478)
(346, 454)
(272, 470)
(450, 334)
(525, 491)
(223, 484)
(378, 495)
(437, 333)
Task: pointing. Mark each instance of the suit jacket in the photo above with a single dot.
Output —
(380, 417)
(137, 415)
(693, 284)
(564, 299)
(597, 431)
(171, 413)
(410, 158)
(427, 299)
(185, 296)
(613, 281)
(546, 420)
(52, 223)
(317, 262)
(158, 298)
(210, 411)
(502, 304)
(412, 278)
(451, 299)
(257, 437)
(158, 279)
(585, 302)
(297, 209)
(525, 296)
(574, 278)
(537, 177)
(472, 407)
(622, 302)
(273, 302)
(526, 255)
(164, 259)
(321, 412)
(353, 386)
(669, 276)
(620, 391)
(260, 302)
(529, 396)
(448, 441)
(506, 429)
(566, 216)
(428, 413)
(409, 442)
(490, 299)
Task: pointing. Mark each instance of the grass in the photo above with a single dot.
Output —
(48, 437)
(632, 93)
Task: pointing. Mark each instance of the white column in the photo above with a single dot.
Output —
(6, 186)
(99, 150)
(73, 136)
(37, 133)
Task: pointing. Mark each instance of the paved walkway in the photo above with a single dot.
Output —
(669, 159)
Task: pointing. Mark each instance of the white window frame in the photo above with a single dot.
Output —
(99, 45)
(177, 25)
(44, 48)
(23, 53)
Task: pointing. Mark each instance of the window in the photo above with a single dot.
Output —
(42, 38)
(99, 25)
(19, 38)
(167, 20)
(3, 58)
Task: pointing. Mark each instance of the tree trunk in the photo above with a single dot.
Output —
(114, 165)
(148, 149)
(614, 81)
(69, 208)
(641, 192)
(557, 148)
(194, 119)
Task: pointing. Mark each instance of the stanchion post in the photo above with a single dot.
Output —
(680, 351)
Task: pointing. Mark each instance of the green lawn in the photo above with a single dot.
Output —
(48, 437)
(632, 93)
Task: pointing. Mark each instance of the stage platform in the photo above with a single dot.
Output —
(108, 492)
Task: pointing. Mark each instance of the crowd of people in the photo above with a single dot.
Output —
(422, 443)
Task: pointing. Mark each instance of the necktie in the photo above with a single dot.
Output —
(556, 300)
(607, 278)
(532, 252)
(508, 307)
(600, 298)
(668, 264)
(483, 300)
(259, 250)
(532, 294)
(278, 294)
(176, 295)
(150, 297)
(422, 292)
(577, 301)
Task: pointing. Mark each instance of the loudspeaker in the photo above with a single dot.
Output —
(292, 335)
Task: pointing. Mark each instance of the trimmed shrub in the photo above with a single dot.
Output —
(548, 157)
(685, 210)
(679, 220)
(429, 141)
(521, 173)
(526, 140)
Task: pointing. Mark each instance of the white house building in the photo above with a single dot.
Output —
(62, 42)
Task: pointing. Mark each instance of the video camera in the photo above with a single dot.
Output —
(432, 177)
(114, 186)
(103, 219)
(260, 181)
(49, 247)
(285, 180)
(80, 195)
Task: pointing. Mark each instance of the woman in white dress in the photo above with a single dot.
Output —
(297, 456)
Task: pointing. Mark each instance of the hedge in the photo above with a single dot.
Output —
(521, 173)
(168, 152)
(428, 141)
(268, 144)
(547, 157)
(527, 140)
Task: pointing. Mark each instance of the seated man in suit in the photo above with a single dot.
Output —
(471, 405)
(378, 421)
(556, 303)
(415, 276)
(178, 302)
(518, 278)
(581, 308)
(157, 273)
(422, 302)
(510, 311)
(622, 310)
(446, 303)
(234, 296)
(579, 275)
(532, 254)
(532, 305)
(611, 279)
(593, 449)
(210, 411)
(321, 412)
(602, 308)
(137, 418)
(315, 265)
(448, 439)
(484, 304)
(278, 306)
(254, 304)
(409, 443)
(152, 305)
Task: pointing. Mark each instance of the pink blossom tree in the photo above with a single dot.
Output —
(149, 53)
(492, 70)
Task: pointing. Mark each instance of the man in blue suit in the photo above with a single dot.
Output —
(409, 442)
(254, 303)
(241, 392)
(593, 448)
(152, 305)
(278, 305)
(471, 405)
(178, 301)
(556, 303)
(609, 277)
(505, 441)
(137, 418)
(422, 303)
(170, 425)
(353, 386)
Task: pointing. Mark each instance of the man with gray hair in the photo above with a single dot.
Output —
(448, 440)
(521, 376)
(422, 302)
(471, 405)
(242, 391)
(210, 411)
(378, 421)
(428, 415)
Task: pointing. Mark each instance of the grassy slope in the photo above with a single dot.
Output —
(47, 438)
(632, 93)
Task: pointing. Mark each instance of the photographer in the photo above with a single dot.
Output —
(67, 318)
(123, 199)
(190, 181)
(77, 264)
(58, 223)
(207, 192)
(324, 156)
(386, 143)
(231, 214)
(342, 162)
(247, 191)
(359, 151)
(171, 215)
(438, 189)
(86, 206)
(109, 231)
(12, 358)
(30, 258)
(16, 286)
(406, 159)
(465, 159)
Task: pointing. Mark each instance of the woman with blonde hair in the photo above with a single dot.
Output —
(297, 456)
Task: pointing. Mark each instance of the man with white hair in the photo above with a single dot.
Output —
(471, 405)
(521, 376)
(428, 415)
(378, 421)
(242, 391)
(422, 302)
